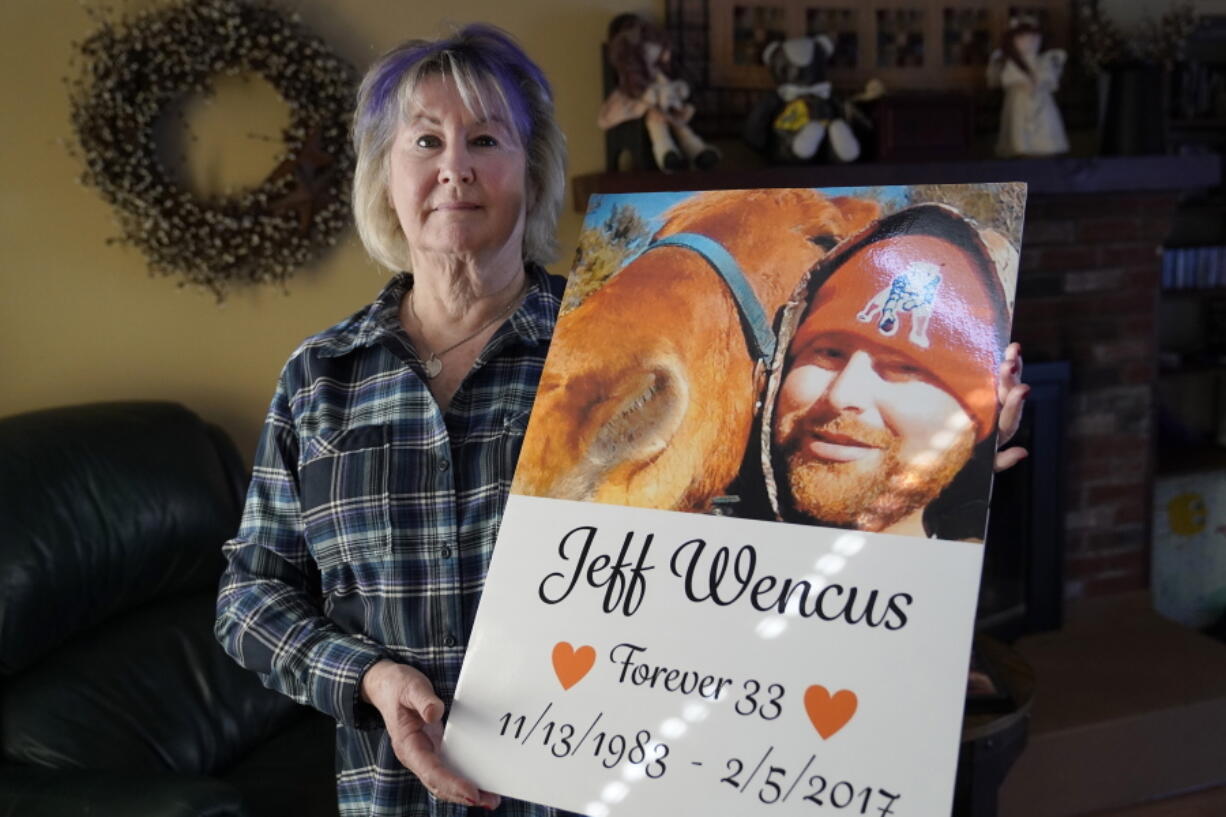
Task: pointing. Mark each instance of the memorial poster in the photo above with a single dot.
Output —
(738, 568)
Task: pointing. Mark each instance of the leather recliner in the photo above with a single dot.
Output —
(115, 698)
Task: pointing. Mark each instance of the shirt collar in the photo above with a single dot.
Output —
(533, 321)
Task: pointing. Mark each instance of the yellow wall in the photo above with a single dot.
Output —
(83, 321)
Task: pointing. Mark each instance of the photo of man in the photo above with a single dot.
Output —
(884, 385)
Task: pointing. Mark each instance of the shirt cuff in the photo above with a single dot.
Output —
(337, 678)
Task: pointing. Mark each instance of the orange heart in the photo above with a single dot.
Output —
(570, 664)
(829, 713)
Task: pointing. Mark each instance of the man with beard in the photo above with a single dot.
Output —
(889, 379)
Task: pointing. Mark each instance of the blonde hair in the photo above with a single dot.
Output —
(492, 75)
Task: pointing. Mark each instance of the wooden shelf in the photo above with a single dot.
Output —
(1066, 175)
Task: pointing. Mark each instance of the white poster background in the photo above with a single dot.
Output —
(896, 755)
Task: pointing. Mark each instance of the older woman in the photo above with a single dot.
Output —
(387, 452)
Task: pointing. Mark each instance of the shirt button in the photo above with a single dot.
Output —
(449, 641)
(445, 552)
(443, 465)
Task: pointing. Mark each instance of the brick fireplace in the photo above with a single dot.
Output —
(1088, 294)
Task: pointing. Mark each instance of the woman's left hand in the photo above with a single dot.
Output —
(1011, 392)
(412, 714)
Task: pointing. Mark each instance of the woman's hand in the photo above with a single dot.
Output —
(413, 716)
(1011, 392)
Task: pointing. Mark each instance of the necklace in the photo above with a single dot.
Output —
(433, 363)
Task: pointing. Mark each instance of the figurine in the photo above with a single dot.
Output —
(640, 55)
(1030, 123)
(793, 123)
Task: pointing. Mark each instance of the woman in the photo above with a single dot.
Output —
(386, 454)
(389, 447)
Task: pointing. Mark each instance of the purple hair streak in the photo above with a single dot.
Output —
(487, 52)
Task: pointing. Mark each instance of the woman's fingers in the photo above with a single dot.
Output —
(417, 694)
(417, 748)
(1009, 457)
(1010, 373)
(1011, 414)
(489, 800)
(413, 713)
(1011, 393)
(1010, 419)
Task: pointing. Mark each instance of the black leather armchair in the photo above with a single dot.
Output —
(115, 698)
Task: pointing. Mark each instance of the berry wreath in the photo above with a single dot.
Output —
(135, 68)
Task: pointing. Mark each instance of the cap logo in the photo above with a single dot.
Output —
(913, 291)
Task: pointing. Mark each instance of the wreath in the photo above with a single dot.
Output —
(135, 68)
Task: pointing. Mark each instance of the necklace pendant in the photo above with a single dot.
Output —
(433, 366)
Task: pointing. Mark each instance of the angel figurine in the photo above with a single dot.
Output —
(1030, 122)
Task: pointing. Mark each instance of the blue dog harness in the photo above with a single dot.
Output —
(757, 328)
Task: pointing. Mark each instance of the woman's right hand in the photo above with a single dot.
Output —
(413, 716)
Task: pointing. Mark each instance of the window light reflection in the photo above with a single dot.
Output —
(673, 728)
(632, 773)
(772, 626)
(849, 544)
(615, 792)
(831, 563)
(695, 712)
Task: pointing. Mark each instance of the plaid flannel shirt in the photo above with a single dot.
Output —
(369, 526)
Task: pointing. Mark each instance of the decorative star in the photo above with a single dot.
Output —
(312, 171)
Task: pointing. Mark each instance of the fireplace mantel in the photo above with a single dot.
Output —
(1102, 174)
